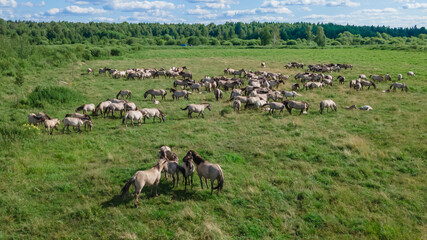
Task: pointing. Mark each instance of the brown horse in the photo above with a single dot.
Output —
(207, 170)
(289, 104)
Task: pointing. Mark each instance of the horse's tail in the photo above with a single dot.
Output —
(265, 105)
(146, 94)
(220, 179)
(118, 94)
(373, 84)
(126, 116)
(161, 113)
(125, 188)
(185, 108)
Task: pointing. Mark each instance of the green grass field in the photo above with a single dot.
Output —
(343, 175)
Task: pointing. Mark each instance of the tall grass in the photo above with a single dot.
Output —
(343, 175)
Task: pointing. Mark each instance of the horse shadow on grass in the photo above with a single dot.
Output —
(165, 188)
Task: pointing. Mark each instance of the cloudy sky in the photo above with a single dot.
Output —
(394, 13)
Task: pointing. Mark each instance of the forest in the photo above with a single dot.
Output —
(240, 34)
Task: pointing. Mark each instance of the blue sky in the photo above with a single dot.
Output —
(393, 13)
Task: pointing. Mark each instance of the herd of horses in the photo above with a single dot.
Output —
(261, 91)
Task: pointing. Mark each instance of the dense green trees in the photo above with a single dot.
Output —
(320, 37)
(43, 33)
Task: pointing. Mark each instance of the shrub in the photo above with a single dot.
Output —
(226, 43)
(291, 42)
(53, 95)
(115, 52)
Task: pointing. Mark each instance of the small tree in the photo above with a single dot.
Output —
(19, 81)
(320, 37)
(309, 33)
(266, 36)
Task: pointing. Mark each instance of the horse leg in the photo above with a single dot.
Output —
(137, 192)
(173, 180)
(206, 181)
(302, 110)
(212, 188)
(201, 183)
(177, 178)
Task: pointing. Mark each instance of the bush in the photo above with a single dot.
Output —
(53, 95)
(226, 43)
(214, 42)
(115, 52)
(335, 43)
(194, 41)
(96, 52)
(291, 42)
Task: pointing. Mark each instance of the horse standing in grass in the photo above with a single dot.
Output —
(86, 107)
(150, 177)
(327, 104)
(127, 93)
(207, 170)
(198, 108)
(289, 104)
(399, 85)
(156, 92)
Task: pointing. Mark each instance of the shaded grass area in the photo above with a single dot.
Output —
(341, 175)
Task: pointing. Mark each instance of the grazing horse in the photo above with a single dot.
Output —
(188, 166)
(76, 122)
(126, 93)
(399, 85)
(50, 124)
(78, 115)
(207, 170)
(156, 92)
(218, 94)
(399, 77)
(179, 93)
(102, 107)
(148, 177)
(89, 70)
(197, 108)
(275, 106)
(130, 106)
(351, 107)
(115, 107)
(153, 112)
(290, 94)
(86, 108)
(341, 79)
(377, 77)
(410, 73)
(134, 116)
(328, 104)
(237, 105)
(263, 64)
(33, 119)
(295, 87)
(368, 83)
(239, 72)
(289, 104)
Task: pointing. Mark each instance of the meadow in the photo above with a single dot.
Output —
(343, 175)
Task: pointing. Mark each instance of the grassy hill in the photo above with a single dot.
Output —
(343, 175)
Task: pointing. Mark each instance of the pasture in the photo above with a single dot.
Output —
(340, 175)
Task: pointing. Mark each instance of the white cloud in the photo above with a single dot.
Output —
(198, 11)
(280, 10)
(8, 3)
(30, 4)
(415, 5)
(138, 5)
(307, 9)
(216, 4)
(331, 3)
(260, 11)
(53, 11)
(103, 19)
(82, 3)
(79, 10)
(378, 11)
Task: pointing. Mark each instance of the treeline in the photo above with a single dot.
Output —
(246, 34)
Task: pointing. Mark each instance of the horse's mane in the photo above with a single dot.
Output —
(196, 157)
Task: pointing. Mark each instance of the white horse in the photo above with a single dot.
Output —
(130, 106)
(207, 170)
(115, 107)
(327, 104)
(399, 77)
(148, 177)
(290, 94)
(102, 107)
(50, 124)
(134, 116)
(75, 122)
(86, 108)
(33, 119)
(410, 73)
(154, 113)
(275, 106)
(197, 108)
